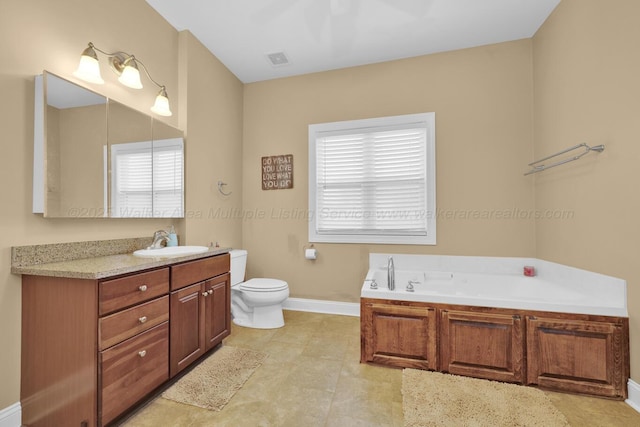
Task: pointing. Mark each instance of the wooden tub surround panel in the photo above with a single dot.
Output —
(400, 336)
(578, 353)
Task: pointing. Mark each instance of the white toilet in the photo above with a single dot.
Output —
(256, 303)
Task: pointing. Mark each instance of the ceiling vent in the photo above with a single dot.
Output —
(277, 59)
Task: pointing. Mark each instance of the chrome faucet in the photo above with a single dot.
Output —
(158, 237)
(391, 274)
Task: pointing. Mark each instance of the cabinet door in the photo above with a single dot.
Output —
(402, 336)
(187, 323)
(217, 313)
(578, 356)
(482, 345)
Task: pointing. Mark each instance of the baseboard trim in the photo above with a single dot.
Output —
(633, 389)
(11, 416)
(322, 306)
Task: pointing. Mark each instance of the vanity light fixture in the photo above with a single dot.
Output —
(126, 67)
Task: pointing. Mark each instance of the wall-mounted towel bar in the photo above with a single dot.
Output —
(538, 166)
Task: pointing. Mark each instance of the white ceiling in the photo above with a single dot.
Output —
(320, 35)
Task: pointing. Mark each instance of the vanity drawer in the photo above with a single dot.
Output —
(127, 291)
(127, 323)
(196, 271)
(131, 370)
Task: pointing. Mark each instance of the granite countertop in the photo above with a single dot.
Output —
(90, 260)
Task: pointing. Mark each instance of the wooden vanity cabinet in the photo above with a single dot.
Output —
(582, 356)
(399, 335)
(482, 345)
(200, 309)
(91, 349)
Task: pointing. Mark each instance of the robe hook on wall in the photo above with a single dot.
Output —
(220, 185)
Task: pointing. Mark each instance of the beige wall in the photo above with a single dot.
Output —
(214, 102)
(42, 34)
(482, 98)
(587, 89)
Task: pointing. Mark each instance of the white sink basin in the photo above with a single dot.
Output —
(170, 251)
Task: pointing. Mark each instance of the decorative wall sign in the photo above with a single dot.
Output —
(277, 172)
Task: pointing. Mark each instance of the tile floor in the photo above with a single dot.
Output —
(313, 377)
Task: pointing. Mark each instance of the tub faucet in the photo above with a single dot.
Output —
(158, 237)
(391, 274)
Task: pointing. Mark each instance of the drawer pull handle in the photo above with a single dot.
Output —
(142, 319)
(142, 353)
(142, 288)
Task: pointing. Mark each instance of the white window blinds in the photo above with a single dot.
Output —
(167, 180)
(373, 182)
(147, 179)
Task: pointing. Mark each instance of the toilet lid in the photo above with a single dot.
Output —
(264, 285)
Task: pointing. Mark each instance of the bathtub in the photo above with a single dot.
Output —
(496, 282)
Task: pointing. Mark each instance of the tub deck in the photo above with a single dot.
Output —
(557, 291)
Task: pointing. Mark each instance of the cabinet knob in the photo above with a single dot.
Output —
(142, 288)
(142, 353)
(142, 319)
(205, 293)
(210, 291)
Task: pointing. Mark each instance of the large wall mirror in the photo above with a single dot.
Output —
(100, 158)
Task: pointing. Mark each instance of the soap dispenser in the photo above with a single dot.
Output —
(173, 238)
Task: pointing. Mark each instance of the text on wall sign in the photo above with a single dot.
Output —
(277, 172)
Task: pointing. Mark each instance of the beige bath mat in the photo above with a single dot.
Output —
(436, 399)
(212, 383)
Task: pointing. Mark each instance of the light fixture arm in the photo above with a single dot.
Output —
(116, 59)
(119, 58)
(147, 72)
(92, 46)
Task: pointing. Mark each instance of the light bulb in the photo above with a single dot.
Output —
(89, 67)
(161, 106)
(130, 76)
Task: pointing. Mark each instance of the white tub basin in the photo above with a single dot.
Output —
(496, 282)
(170, 251)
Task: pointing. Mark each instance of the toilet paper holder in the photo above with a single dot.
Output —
(310, 252)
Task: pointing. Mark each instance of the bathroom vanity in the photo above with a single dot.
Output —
(100, 334)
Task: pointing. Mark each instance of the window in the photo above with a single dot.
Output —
(373, 180)
(147, 179)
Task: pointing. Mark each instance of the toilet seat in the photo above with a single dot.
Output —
(264, 285)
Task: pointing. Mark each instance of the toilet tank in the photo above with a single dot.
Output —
(238, 265)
